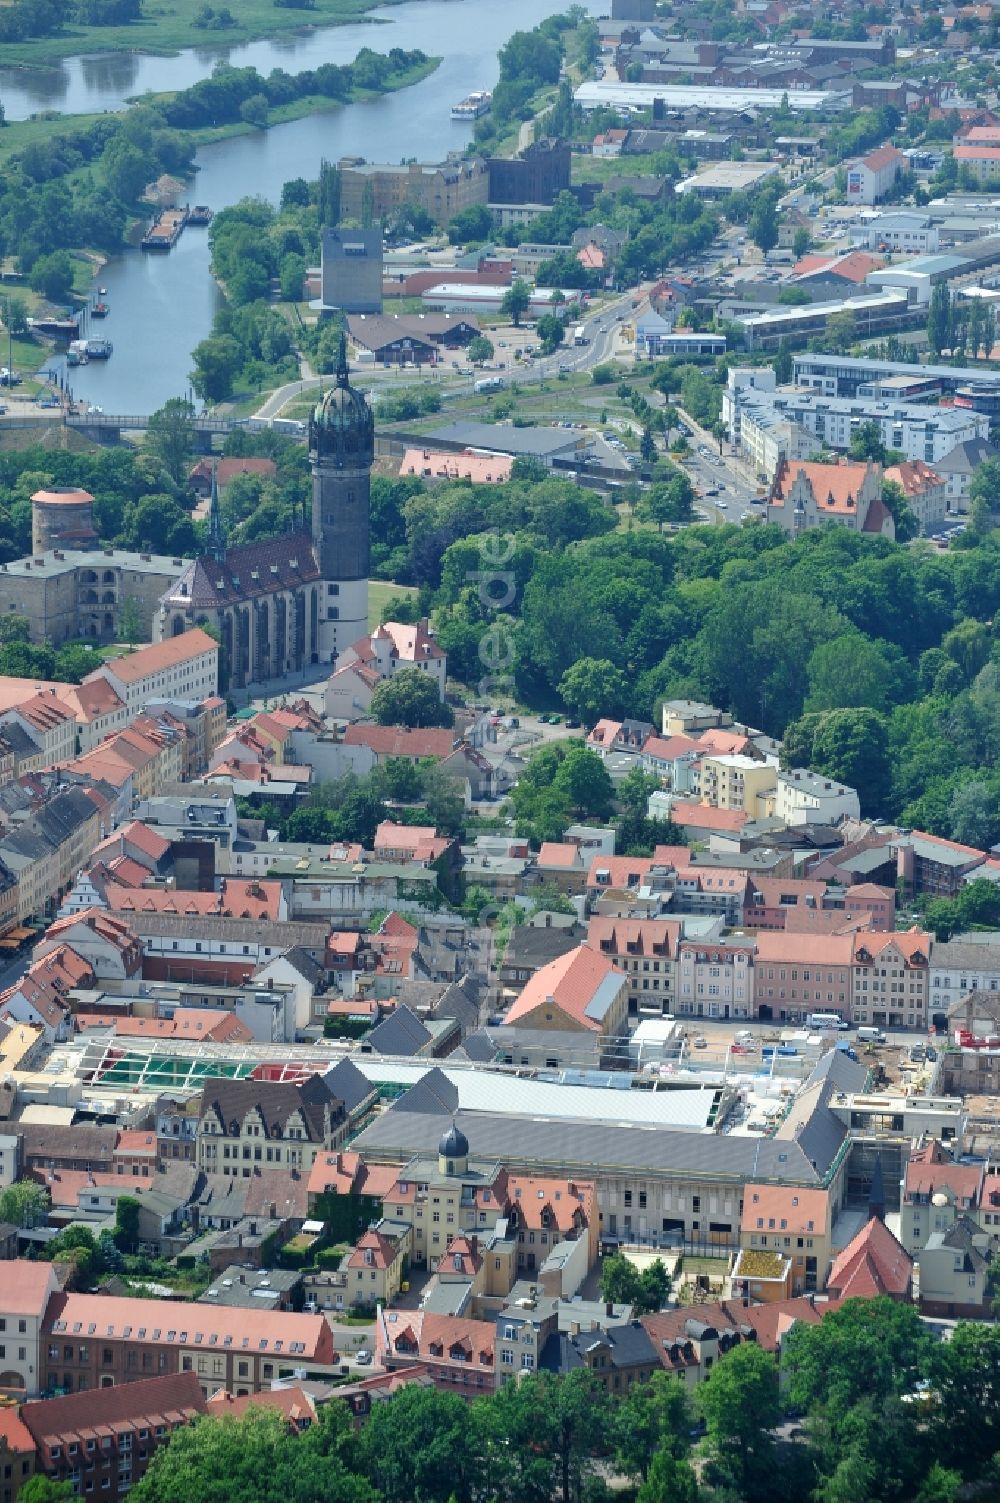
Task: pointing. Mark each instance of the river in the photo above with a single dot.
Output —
(163, 305)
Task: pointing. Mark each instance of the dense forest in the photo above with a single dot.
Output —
(880, 661)
(886, 1414)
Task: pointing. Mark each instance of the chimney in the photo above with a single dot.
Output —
(609, 1308)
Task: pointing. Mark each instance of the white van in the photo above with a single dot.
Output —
(825, 1020)
(744, 1037)
(871, 1036)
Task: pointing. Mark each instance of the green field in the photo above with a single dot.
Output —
(380, 592)
(168, 27)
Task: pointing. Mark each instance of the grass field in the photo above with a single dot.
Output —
(380, 592)
(168, 27)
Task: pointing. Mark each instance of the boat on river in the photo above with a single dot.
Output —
(472, 106)
(100, 310)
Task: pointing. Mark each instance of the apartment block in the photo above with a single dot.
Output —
(738, 782)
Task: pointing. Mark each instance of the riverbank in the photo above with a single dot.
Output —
(20, 134)
(169, 31)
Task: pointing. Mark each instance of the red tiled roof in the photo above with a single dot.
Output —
(156, 1322)
(836, 487)
(400, 741)
(135, 666)
(294, 1403)
(873, 1263)
(570, 983)
(168, 1401)
(707, 816)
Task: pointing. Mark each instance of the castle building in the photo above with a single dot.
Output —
(280, 604)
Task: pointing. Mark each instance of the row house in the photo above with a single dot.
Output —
(92, 1341)
(778, 903)
(889, 983)
(957, 968)
(797, 974)
(646, 950)
(47, 850)
(185, 667)
(459, 1354)
(715, 980)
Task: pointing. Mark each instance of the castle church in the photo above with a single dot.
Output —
(283, 603)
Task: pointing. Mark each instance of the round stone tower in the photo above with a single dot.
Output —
(63, 518)
(341, 452)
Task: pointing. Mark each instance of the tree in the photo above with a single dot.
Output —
(126, 1232)
(551, 332)
(130, 621)
(480, 349)
(594, 687)
(669, 1481)
(653, 1417)
(866, 442)
(424, 1447)
(584, 780)
(841, 332)
(763, 225)
(740, 1404)
(15, 314)
(623, 1284)
(217, 362)
(878, 1348)
(783, 363)
(852, 746)
(52, 276)
(801, 241)
(42, 1489)
(668, 500)
(170, 436)
(904, 518)
(254, 111)
(647, 445)
(14, 629)
(516, 301)
(410, 698)
(855, 670)
(292, 275)
(984, 493)
(939, 319)
(74, 660)
(254, 1458)
(24, 1204)
(965, 1380)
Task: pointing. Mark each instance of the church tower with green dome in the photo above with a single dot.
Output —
(341, 453)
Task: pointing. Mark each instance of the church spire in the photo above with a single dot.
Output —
(216, 535)
(343, 375)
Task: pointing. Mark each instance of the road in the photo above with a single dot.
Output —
(602, 327)
(711, 471)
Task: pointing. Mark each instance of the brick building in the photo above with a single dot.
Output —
(102, 1442)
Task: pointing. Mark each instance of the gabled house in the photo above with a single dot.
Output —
(954, 1272)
